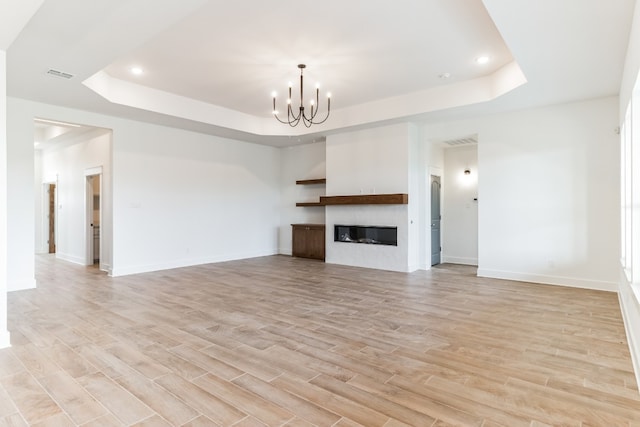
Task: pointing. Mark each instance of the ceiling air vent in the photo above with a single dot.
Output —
(58, 73)
(462, 141)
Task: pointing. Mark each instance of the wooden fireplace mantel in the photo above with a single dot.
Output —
(366, 199)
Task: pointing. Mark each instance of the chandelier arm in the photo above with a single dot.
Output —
(292, 118)
(280, 120)
(323, 120)
(290, 113)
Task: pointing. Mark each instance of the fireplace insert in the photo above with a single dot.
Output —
(366, 234)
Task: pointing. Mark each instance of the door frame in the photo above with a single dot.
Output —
(439, 172)
(89, 175)
(432, 180)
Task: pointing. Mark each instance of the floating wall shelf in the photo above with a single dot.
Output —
(359, 199)
(311, 181)
(366, 199)
(308, 204)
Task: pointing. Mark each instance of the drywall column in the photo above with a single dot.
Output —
(4, 333)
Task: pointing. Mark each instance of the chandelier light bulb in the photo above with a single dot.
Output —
(298, 114)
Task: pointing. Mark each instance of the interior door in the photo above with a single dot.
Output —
(436, 247)
(52, 218)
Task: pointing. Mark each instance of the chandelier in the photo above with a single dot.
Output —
(293, 118)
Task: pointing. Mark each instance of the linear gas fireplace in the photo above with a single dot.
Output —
(369, 235)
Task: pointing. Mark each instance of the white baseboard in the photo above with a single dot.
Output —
(459, 260)
(550, 280)
(71, 258)
(5, 339)
(20, 285)
(137, 269)
(630, 308)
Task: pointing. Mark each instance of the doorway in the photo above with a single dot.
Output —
(436, 246)
(50, 220)
(93, 217)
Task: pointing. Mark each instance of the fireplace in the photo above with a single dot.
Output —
(366, 234)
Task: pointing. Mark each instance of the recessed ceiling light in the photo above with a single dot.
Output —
(136, 71)
(482, 60)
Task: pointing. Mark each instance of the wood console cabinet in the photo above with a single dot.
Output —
(308, 241)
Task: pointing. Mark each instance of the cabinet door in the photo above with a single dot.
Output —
(315, 243)
(299, 241)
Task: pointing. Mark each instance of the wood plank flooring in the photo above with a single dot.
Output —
(280, 341)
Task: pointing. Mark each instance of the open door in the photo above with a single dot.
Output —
(51, 215)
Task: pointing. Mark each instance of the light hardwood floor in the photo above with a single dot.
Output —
(286, 341)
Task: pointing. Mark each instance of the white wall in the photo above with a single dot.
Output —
(20, 205)
(298, 163)
(548, 193)
(4, 333)
(67, 165)
(40, 240)
(182, 198)
(459, 210)
(416, 227)
(179, 198)
(372, 161)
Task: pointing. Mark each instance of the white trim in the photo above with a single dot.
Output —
(71, 258)
(93, 171)
(630, 308)
(115, 272)
(550, 280)
(459, 260)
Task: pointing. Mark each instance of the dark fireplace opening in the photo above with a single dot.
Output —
(369, 235)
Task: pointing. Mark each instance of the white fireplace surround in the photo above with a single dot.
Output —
(383, 257)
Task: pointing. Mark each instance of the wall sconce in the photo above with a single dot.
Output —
(467, 171)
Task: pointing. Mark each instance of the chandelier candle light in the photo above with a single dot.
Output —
(292, 118)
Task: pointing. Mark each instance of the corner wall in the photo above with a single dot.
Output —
(298, 163)
(179, 198)
(548, 193)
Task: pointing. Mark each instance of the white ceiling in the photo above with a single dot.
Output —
(211, 66)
